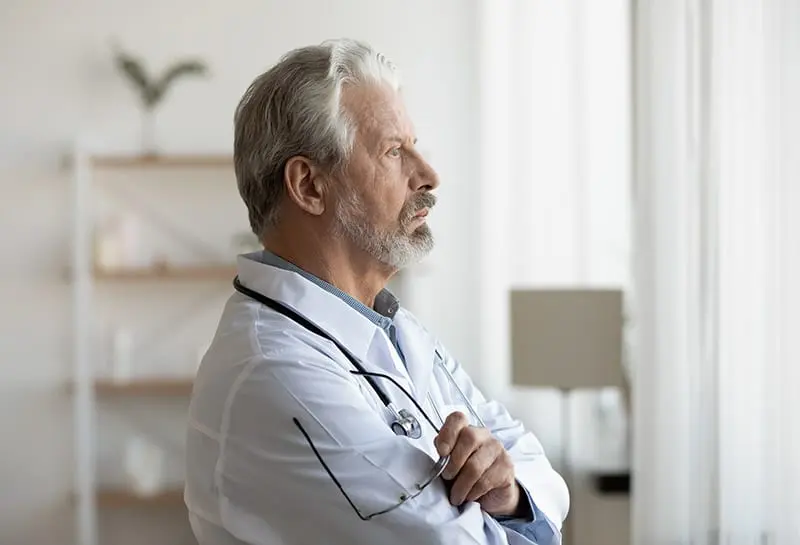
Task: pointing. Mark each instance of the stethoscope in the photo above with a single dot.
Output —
(403, 422)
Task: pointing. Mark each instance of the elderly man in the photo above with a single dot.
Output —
(323, 411)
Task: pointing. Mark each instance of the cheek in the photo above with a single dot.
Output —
(389, 196)
(400, 207)
(389, 208)
(392, 202)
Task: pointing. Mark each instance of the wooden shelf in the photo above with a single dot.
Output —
(182, 272)
(162, 387)
(162, 161)
(117, 499)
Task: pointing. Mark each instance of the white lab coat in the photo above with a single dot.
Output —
(251, 477)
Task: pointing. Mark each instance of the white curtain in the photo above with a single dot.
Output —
(555, 200)
(555, 144)
(717, 273)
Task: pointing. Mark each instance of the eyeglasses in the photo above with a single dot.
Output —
(435, 472)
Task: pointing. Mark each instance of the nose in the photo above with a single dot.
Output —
(425, 177)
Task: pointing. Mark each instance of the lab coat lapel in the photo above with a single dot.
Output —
(327, 311)
(419, 350)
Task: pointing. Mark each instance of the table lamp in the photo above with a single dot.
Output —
(567, 339)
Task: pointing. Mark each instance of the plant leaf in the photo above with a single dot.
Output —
(133, 69)
(174, 72)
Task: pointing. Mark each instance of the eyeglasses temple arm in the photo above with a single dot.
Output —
(328, 470)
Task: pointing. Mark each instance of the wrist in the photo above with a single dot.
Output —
(522, 509)
(519, 506)
(515, 507)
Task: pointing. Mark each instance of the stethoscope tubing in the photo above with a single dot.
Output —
(360, 370)
(442, 462)
(311, 326)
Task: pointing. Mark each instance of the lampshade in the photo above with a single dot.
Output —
(566, 338)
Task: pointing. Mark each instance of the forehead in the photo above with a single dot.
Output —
(378, 111)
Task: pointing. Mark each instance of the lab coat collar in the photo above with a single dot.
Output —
(386, 304)
(327, 311)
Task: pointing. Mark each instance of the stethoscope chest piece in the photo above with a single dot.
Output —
(406, 424)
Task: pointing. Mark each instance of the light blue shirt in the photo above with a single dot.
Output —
(539, 529)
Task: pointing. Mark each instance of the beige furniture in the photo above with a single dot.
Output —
(567, 339)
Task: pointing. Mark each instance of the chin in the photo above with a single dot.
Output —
(409, 252)
(422, 230)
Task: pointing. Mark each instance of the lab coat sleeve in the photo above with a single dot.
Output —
(271, 487)
(545, 486)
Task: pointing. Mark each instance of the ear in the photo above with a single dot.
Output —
(305, 185)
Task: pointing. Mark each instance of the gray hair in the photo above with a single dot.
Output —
(295, 109)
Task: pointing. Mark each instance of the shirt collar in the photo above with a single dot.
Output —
(386, 304)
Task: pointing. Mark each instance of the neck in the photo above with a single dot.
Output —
(334, 261)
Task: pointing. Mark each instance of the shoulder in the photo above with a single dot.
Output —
(258, 353)
(248, 330)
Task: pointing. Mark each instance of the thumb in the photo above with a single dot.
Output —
(447, 436)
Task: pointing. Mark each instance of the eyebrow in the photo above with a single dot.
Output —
(400, 140)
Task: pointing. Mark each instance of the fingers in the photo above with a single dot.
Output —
(479, 464)
(499, 474)
(469, 440)
(477, 472)
(448, 435)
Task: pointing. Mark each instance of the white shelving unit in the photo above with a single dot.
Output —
(90, 389)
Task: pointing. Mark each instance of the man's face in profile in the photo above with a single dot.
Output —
(384, 196)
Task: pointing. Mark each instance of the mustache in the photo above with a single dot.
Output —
(420, 201)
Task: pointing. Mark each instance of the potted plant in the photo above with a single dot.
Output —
(152, 89)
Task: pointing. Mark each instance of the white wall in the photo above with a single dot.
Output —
(58, 82)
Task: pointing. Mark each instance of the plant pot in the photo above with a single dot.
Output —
(149, 146)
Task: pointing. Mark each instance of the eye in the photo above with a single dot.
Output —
(394, 152)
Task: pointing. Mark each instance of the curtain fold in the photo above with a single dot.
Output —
(555, 145)
(716, 263)
(555, 181)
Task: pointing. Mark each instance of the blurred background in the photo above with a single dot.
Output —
(616, 245)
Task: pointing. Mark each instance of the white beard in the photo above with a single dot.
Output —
(397, 248)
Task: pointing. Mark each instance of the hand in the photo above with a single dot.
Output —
(480, 467)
